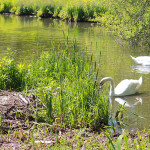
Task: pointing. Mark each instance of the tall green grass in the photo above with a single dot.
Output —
(12, 76)
(65, 83)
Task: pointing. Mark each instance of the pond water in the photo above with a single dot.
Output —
(22, 36)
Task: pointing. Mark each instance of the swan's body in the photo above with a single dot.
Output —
(142, 60)
(125, 87)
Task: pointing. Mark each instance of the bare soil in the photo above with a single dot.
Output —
(15, 115)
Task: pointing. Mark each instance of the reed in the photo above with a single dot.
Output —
(69, 80)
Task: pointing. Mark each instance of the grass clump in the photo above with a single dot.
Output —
(82, 11)
(12, 76)
(23, 10)
(65, 83)
(46, 11)
(5, 6)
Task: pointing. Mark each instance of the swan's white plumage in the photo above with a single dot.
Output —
(125, 87)
(142, 60)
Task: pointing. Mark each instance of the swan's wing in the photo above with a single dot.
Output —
(127, 87)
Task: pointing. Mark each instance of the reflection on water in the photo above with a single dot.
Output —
(129, 101)
(141, 69)
(26, 36)
(134, 117)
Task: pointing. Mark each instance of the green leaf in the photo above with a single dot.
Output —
(126, 141)
(119, 140)
(109, 139)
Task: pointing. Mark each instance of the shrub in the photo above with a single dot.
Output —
(11, 75)
(5, 7)
(24, 10)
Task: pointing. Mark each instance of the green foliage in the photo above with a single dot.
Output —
(82, 11)
(129, 20)
(46, 11)
(5, 6)
(73, 11)
(23, 10)
(11, 75)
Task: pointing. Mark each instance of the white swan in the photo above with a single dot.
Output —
(125, 87)
(141, 60)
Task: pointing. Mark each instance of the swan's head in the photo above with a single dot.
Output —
(104, 80)
(101, 84)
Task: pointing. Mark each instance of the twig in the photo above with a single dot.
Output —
(23, 99)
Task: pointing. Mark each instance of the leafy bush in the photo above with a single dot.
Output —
(129, 20)
(46, 11)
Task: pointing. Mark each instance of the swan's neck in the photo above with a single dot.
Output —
(112, 87)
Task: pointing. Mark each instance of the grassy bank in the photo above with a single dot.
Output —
(64, 82)
(79, 10)
(66, 106)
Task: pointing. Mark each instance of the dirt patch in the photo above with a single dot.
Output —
(14, 111)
